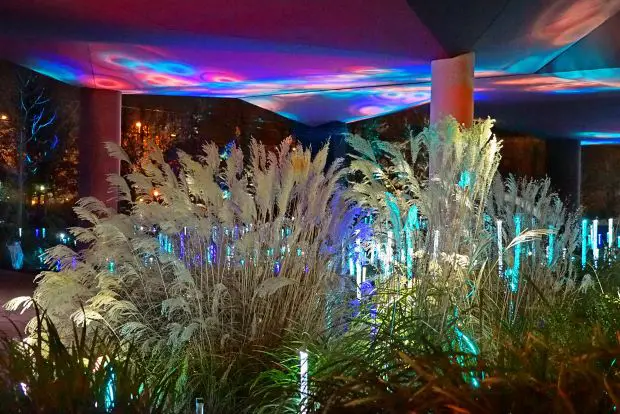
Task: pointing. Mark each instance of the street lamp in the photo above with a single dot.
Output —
(4, 117)
(138, 124)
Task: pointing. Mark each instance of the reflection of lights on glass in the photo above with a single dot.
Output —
(4, 117)
(138, 124)
(42, 188)
(155, 193)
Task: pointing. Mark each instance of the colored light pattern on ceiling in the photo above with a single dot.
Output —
(309, 68)
(527, 35)
(136, 69)
(346, 93)
(347, 105)
(565, 22)
(552, 84)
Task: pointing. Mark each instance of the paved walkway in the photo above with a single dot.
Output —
(14, 284)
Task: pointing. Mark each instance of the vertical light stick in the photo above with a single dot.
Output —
(594, 237)
(435, 244)
(514, 281)
(303, 382)
(358, 279)
(584, 242)
(500, 249)
(389, 252)
(200, 406)
(551, 246)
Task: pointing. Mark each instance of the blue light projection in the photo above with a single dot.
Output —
(58, 70)
(598, 137)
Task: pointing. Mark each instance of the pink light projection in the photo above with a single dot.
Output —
(567, 21)
(158, 71)
(547, 84)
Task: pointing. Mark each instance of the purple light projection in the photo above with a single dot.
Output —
(315, 108)
(599, 137)
(312, 66)
(226, 73)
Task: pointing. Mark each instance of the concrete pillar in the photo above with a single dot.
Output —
(100, 122)
(452, 89)
(317, 136)
(564, 169)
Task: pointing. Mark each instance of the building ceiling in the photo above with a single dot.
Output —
(320, 61)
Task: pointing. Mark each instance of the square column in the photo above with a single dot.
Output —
(100, 122)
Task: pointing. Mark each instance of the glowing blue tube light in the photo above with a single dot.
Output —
(551, 246)
(514, 277)
(584, 242)
(410, 225)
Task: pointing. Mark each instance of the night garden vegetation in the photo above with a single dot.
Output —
(470, 299)
(91, 373)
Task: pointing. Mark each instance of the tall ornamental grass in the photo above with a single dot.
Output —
(210, 266)
(464, 272)
(457, 249)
